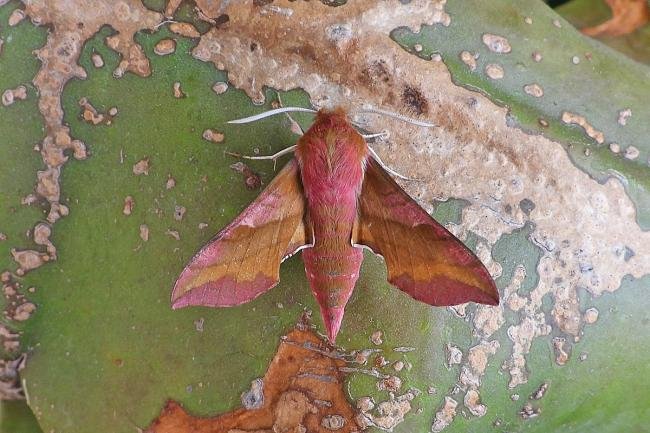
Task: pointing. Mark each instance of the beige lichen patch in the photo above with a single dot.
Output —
(144, 232)
(178, 92)
(97, 59)
(494, 71)
(10, 96)
(90, 114)
(472, 402)
(534, 90)
(576, 119)
(165, 47)
(469, 59)
(141, 167)
(454, 355)
(496, 43)
(376, 338)
(23, 311)
(615, 147)
(528, 411)
(388, 414)
(631, 152)
(213, 135)
(184, 29)
(391, 383)
(623, 115)
(275, 59)
(173, 234)
(540, 392)
(590, 316)
(129, 204)
(561, 354)
(28, 260)
(537, 56)
(171, 182)
(179, 212)
(445, 415)
(41, 235)
(220, 87)
(16, 17)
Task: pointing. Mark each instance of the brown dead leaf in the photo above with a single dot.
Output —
(301, 391)
(627, 16)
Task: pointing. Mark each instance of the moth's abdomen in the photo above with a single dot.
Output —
(332, 265)
(332, 275)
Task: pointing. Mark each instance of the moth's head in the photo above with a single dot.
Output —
(336, 119)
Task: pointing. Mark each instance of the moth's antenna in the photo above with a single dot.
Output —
(383, 135)
(397, 116)
(273, 113)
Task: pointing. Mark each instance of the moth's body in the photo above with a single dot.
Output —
(331, 157)
(333, 198)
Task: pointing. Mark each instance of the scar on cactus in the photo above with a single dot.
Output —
(278, 402)
(330, 201)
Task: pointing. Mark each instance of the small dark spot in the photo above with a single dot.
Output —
(262, 2)
(80, 25)
(375, 73)
(415, 100)
(253, 46)
(558, 280)
(305, 51)
(221, 19)
(508, 209)
(291, 358)
(253, 181)
(527, 206)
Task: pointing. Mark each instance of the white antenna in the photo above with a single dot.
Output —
(273, 113)
(397, 116)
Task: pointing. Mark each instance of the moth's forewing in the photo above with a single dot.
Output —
(422, 257)
(243, 260)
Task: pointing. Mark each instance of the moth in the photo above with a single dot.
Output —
(330, 201)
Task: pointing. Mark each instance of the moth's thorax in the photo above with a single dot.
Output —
(331, 155)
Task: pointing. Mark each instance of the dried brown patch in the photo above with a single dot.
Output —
(627, 16)
(287, 399)
(415, 100)
(252, 180)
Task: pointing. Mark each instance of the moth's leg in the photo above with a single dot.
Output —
(387, 168)
(295, 127)
(384, 135)
(273, 157)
